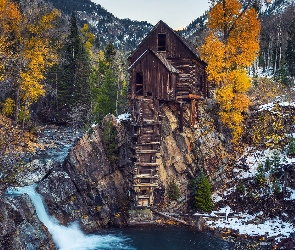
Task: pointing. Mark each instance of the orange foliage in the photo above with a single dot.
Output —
(9, 24)
(28, 44)
(231, 45)
(38, 54)
(13, 139)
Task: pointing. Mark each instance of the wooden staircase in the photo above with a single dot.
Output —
(147, 146)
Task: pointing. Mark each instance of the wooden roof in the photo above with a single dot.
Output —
(188, 44)
(163, 60)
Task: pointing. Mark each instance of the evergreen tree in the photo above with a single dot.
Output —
(105, 96)
(173, 190)
(108, 84)
(290, 52)
(110, 53)
(203, 194)
(74, 90)
(110, 142)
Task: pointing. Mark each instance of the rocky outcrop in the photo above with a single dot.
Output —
(184, 155)
(87, 188)
(20, 227)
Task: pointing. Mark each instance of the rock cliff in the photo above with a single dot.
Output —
(87, 188)
(20, 227)
(199, 149)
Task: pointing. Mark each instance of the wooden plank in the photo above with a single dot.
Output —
(147, 151)
(146, 185)
(147, 176)
(147, 164)
(148, 143)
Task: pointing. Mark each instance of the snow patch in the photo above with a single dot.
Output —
(292, 194)
(123, 117)
(245, 224)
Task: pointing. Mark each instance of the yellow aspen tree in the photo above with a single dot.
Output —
(26, 51)
(232, 44)
(88, 39)
(9, 27)
(38, 54)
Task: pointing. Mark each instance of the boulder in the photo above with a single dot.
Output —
(20, 227)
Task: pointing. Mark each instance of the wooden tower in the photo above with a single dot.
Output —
(164, 68)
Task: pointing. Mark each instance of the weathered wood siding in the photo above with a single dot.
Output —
(158, 82)
(175, 48)
(163, 69)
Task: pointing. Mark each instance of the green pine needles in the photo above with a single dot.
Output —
(291, 146)
(201, 189)
(173, 191)
(110, 142)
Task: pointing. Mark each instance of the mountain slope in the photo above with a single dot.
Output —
(125, 34)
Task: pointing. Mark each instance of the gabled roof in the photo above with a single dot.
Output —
(188, 44)
(163, 60)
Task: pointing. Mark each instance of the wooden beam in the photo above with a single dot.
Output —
(147, 164)
(181, 117)
(196, 97)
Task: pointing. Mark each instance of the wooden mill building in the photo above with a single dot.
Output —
(164, 68)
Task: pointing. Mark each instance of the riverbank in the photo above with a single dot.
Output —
(243, 230)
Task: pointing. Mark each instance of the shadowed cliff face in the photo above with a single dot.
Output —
(87, 188)
(202, 148)
(20, 227)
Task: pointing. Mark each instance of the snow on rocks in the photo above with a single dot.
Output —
(246, 224)
(123, 117)
(270, 106)
(292, 194)
(253, 158)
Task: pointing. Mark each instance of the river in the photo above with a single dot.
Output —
(136, 238)
(171, 238)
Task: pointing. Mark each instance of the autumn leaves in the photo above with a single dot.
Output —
(231, 46)
(26, 51)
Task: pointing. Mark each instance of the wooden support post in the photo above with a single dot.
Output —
(193, 112)
(181, 117)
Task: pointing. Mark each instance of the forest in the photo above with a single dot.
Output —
(56, 70)
(62, 72)
(53, 70)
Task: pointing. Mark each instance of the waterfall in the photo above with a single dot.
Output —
(69, 237)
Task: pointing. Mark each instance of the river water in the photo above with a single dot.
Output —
(146, 238)
(171, 238)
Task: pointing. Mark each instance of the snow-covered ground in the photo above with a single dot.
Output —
(244, 222)
(123, 117)
(248, 224)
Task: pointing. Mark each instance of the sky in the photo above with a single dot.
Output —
(176, 13)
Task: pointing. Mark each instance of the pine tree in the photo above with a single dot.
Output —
(203, 194)
(231, 46)
(173, 191)
(290, 52)
(74, 90)
(106, 95)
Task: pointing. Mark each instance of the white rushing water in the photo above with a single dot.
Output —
(70, 237)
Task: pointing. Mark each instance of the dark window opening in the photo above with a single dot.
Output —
(143, 192)
(145, 181)
(139, 84)
(161, 42)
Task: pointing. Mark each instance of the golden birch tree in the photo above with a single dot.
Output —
(231, 46)
(26, 51)
(38, 54)
(9, 22)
